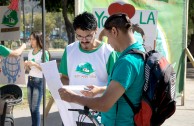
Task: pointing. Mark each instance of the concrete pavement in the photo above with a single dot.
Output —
(184, 115)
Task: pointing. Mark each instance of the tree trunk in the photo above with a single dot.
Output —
(191, 45)
(69, 26)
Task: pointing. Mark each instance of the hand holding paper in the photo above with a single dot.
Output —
(52, 77)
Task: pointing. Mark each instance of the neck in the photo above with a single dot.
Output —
(125, 42)
(94, 45)
(36, 49)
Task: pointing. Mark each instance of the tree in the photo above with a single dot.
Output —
(50, 22)
(4, 2)
(191, 15)
(67, 8)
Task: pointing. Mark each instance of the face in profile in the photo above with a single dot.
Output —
(86, 38)
(33, 42)
(111, 40)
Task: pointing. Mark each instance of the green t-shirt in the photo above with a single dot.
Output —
(129, 72)
(4, 51)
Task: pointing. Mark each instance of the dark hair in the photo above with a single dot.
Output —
(118, 20)
(38, 36)
(85, 21)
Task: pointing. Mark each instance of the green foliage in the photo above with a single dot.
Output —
(52, 21)
(59, 43)
(56, 5)
(191, 12)
(190, 20)
(4, 2)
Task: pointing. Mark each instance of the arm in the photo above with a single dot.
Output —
(18, 51)
(109, 98)
(31, 63)
(93, 90)
(63, 69)
(64, 79)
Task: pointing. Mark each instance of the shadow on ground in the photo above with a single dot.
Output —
(53, 119)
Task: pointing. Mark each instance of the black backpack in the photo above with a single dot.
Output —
(158, 98)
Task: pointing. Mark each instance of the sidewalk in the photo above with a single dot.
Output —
(183, 116)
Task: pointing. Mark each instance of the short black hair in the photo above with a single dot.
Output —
(85, 21)
(118, 20)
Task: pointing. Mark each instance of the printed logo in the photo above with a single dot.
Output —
(33, 60)
(85, 68)
(10, 18)
(11, 68)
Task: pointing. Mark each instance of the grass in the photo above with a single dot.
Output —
(24, 102)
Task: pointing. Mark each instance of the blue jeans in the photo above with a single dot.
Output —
(35, 92)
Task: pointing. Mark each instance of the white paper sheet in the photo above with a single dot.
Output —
(52, 77)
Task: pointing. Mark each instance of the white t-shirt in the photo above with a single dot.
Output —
(34, 71)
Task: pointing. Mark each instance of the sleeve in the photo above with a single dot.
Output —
(123, 73)
(111, 60)
(63, 64)
(47, 56)
(4, 51)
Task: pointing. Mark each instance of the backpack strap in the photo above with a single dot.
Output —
(135, 51)
(135, 109)
(147, 48)
(143, 54)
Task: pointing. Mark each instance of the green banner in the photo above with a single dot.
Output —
(171, 29)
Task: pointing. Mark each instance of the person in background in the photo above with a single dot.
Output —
(127, 77)
(35, 78)
(103, 37)
(87, 61)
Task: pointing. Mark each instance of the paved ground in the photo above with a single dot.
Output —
(184, 115)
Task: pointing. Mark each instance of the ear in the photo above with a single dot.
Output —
(114, 32)
(96, 30)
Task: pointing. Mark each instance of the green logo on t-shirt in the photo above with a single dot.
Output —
(85, 68)
(33, 60)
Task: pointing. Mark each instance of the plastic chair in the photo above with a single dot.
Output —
(12, 94)
(3, 108)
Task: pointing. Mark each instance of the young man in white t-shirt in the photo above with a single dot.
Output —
(87, 61)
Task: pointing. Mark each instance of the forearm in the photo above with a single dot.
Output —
(92, 103)
(37, 66)
(18, 51)
(64, 80)
(105, 102)
(102, 89)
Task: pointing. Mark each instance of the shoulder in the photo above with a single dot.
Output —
(30, 52)
(76, 43)
(72, 46)
(107, 49)
(3, 47)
